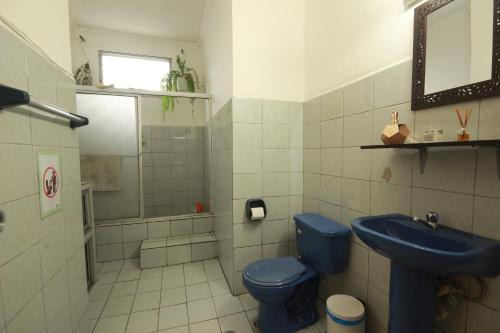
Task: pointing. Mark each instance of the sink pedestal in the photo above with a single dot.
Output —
(412, 301)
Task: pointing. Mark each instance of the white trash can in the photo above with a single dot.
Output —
(345, 314)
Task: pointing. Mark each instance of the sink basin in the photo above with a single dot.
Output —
(443, 251)
(417, 255)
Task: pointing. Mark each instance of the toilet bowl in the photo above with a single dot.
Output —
(287, 288)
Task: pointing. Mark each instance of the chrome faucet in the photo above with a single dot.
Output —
(432, 219)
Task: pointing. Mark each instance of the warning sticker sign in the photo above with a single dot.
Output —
(49, 170)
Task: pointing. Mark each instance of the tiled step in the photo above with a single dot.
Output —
(159, 252)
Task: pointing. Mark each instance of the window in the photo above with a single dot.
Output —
(132, 71)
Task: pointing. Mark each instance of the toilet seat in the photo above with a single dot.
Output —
(274, 272)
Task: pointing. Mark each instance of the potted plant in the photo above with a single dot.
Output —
(185, 79)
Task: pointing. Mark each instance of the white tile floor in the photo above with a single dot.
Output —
(189, 298)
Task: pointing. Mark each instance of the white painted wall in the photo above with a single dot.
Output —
(347, 40)
(46, 23)
(217, 42)
(268, 46)
(111, 41)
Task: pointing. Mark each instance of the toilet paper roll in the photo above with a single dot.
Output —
(257, 213)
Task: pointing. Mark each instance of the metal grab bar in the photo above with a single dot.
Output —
(11, 97)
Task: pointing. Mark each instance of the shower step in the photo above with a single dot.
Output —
(159, 252)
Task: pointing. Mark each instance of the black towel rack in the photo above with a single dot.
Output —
(11, 97)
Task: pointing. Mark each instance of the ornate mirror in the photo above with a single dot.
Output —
(456, 52)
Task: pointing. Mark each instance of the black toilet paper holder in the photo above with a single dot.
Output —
(254, 203)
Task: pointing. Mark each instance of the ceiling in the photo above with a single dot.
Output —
(171, 19)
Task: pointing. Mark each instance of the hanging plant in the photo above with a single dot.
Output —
(185, 79)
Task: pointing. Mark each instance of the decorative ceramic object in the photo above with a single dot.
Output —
(395, 133)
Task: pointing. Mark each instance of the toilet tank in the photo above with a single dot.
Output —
(322, 243)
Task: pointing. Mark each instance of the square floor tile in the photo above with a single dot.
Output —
(227, 304)
(151, 272)
(195, 276)
(181, 329)
(248, 302)
(147, 285)
(210, 263)
(173, 280)
(173, 296)
(219, 287)
(111, 325)
(99, 292)
(94, 309)
(143, 322)
(198, 291)
(124, 288)
(237, 323)
(211, 326)
(173, 269)
(214, 273)
(118, 306)
(132, 263)
(146, 301)
(111, 266)
(252, 318)
(129, 275)
(173, 316)
(191, 266)
(105, 278)
(201, 310)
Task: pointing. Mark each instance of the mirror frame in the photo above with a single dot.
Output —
(474, 91)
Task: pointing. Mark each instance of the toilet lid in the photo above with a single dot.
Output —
(274, 272)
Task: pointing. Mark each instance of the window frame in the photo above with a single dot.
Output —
(129, 55)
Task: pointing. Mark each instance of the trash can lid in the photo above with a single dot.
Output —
(345, 307)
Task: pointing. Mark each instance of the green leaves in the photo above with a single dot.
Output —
(169, 83)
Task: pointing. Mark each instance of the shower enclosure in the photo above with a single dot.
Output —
(144, 163)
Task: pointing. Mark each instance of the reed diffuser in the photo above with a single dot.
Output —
(463, 134)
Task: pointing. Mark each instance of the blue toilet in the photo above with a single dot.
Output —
(287, 288)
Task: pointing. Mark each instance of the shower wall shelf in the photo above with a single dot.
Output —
(12, 97)
(423, 148)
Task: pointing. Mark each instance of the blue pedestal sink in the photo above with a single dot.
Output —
(417, 255)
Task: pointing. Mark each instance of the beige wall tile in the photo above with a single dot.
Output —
(358, 97)
(274, 231)
(487, 182)
(455, 210)
(379, 271)
(56, 296)
(247, 111)
(312, 185)
(247, 234)
(447, 170)
(392, 166)
(312, 136)
(17, 162)
(331, 189)
(31, 318)
(358, 129)
(356, 194)
(378, 305)
(331, 161)
(356, 163)
(358, 261)
(276, 184)
(247, 160)
(275, 250)
(331, 133)
(247, 185)
(276, 160)
(312, 160)
(277, 207)
(486, 221)
(42, 78)
(52, 254)
(13, 61)
(276, 136)
(241, 133)
(489, 121)
(275, 112)
(393, 86)
(388, 198)
(332, 105)
(246, 255)
(16, 124)
(312, 111)
(333, 212)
